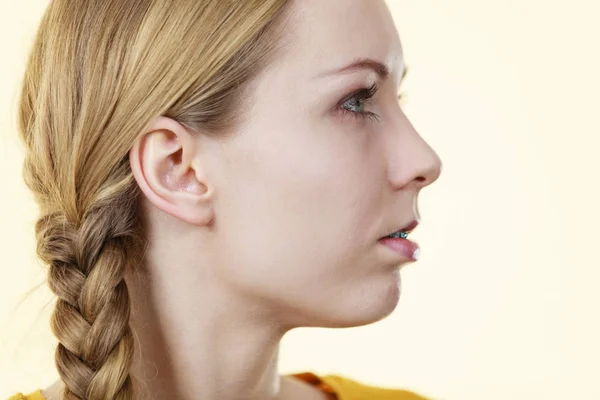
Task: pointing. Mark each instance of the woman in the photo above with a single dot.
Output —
(212, 174)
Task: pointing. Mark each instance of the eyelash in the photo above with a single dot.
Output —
(363, 95)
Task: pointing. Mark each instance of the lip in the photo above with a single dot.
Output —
(410, 227)
(405, 248)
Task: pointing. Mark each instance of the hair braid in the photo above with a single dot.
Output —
(99, 71)
(91, 316)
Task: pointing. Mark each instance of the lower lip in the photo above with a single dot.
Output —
(404, 247)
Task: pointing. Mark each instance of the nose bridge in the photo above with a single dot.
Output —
(414, 161)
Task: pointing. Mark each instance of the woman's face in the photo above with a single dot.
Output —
(309, 185)
(315, 177)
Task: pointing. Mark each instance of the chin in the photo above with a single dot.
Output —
(362, 308)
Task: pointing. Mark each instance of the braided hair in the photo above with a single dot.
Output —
(99, 71)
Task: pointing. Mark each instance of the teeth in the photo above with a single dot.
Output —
(398, 234)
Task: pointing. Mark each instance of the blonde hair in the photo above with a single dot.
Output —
(98, 73)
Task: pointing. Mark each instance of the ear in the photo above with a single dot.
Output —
(165, 161)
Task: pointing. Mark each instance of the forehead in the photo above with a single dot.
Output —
(331, 33)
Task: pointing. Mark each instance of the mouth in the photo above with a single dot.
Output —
(397, 242)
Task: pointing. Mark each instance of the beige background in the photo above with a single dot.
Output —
(504, 301)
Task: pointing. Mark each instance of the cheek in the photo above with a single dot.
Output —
(296, 216)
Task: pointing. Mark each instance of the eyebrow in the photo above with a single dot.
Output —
(365, 63)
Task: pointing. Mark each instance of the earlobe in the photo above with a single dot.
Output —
(164, 161)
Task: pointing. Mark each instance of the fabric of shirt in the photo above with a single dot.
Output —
(336, 386)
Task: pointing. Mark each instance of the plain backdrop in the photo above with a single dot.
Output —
(504, 301)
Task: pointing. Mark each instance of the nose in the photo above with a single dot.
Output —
(430, 167)
(414, 162)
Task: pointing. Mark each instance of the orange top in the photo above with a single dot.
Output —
(338, 387)
(342, 388)
(37, 395)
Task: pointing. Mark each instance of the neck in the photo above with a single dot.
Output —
(214, 348)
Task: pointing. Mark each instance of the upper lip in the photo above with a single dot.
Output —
(408, 228)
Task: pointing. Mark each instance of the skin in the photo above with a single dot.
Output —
(278, 226)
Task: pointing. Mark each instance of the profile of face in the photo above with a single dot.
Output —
(284, 216)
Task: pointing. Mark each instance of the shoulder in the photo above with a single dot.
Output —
(37, 395)
(348, 388)
(50, 393)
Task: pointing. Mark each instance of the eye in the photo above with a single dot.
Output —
(354, 105)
